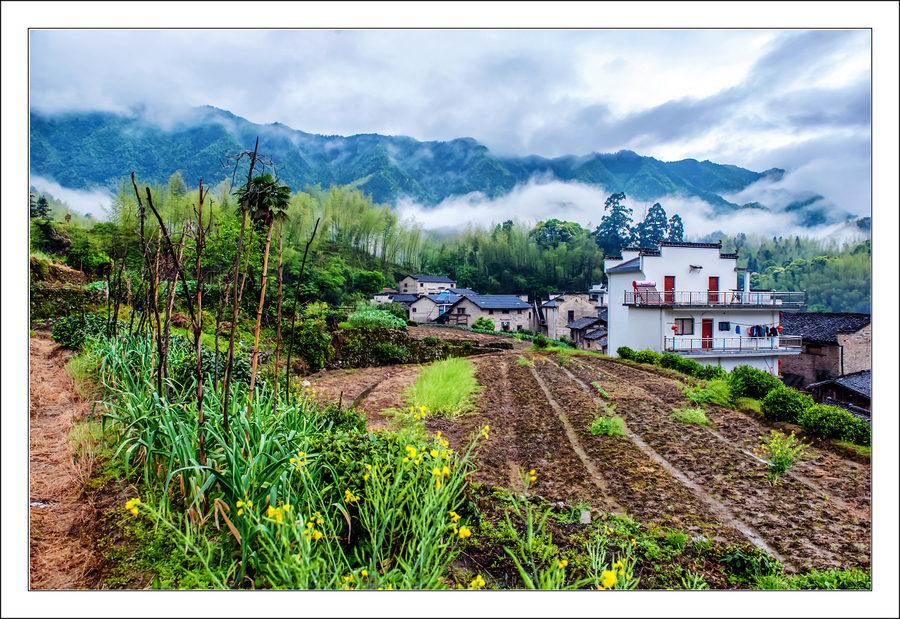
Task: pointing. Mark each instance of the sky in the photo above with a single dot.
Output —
(756, 98)
(669, 80)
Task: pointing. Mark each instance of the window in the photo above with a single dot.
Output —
(460, 310)
(571, 315)
(518, 311)
(505, 311)
(685, 326)
(491, 312)
(421, 285)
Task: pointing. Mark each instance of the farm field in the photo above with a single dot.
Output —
(706, 482)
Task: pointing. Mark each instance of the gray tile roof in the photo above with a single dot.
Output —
(451, 298)
(404, 298)
(632, 265)
(822, 327)
(597, 334)
(463, 291)
(434, 279)
(498, 301)
(604, 314)
(583, 323)
(857, 382)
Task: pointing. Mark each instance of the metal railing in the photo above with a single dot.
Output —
(727, 298)
(732, 344)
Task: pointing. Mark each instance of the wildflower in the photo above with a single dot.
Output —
(279, 517)
(445, 471)
(423, 409)
(411, 451)
(405, 459)
(439, 484)
(464, 532)
(608, 579)
(317, 535)
(436, 471)
(270, 512)
(364, 573)
(477, 583)
(454, 516)
(433, 453)
(287, 507)
(563, 564)
(132, 506)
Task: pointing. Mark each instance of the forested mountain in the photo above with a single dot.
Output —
(97, 149)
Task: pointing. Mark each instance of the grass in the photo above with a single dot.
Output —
(446, 388)
(863, 450)
(854, 578)
(525, 362)
(613, 426)
(748, 405)
(716, 392)
(691, 415)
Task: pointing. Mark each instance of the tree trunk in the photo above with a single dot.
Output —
(262, 297)
(278, 326)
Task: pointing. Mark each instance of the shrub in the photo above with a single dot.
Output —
(688, 366)
(646, 356)
(749, 382)
(485, 324)
(431, 341)
(691, 415)
(611, 426)
(624, 352)
(781, 451)
(563, 357)
(715, 392)
(412, 323)
(835, 422)
(394, 309)
(565, 339)
(72, 331)
(669, 360)
(711, 372)
(540, 341)
(785, 404)
(370, 316)
(526, 332)
(389, 353)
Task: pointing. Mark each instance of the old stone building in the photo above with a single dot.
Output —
(508, 312)
(833, 345)
(555, 314)
(425, 284)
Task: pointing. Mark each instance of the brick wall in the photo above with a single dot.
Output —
(857, 350)
(813, 367)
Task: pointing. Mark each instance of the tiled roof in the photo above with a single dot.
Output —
(596, 334)
(604, 314)
(450, 298)
(434, 279)
(463, 291)
(498, 301)
(404, 298)
(583, 323)
(856, 411)
(632, 265)
(822, 327)
(857, 382)
(685, 244)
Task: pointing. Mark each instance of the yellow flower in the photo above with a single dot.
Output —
(464, 532)
(270, 512)
(434, 453)
(368, 467)
(406, 459)
(533, 478)
(412, 409)
(319, 521)
(249, 503)
(531, 472)
(317, 535)
(477, 583)
(563, 564)
(279, 517)
(445, 471)
(439, 483)
(287, 507)
(454, 516)
(240, 512)
(608, 579)
(134, 511)
(436, 471)
(423, 409)
(240, 503)
(364, 573)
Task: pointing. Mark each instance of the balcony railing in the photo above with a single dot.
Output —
(712, 298)
(698, 345)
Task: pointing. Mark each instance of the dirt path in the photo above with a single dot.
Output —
(61, 558)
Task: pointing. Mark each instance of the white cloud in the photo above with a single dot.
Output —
(94, 202)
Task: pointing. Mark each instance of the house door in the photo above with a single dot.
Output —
(713, 290)
(706, 333)
(669, 288)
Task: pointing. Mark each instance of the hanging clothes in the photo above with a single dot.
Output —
(737, 329)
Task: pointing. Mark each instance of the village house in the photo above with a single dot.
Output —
(590, 333)
(508, 312)
(700, 312)
(850, 391)
(428, 308)
(560, 310)
(833, 345)
(384, 296)
(425, 284)
(463, 292)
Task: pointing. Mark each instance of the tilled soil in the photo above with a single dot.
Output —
(705, 481)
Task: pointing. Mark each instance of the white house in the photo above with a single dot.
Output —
(425, 284)
(683, 298)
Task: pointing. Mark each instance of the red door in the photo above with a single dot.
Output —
(706, 333)
(713, 290)
(669, 288)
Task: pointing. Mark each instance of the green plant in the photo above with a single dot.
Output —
(525, 362)
(611, 426)
(830, 579)
(596, 386)
(72, 331)
(691, 415)
(693, 581)
(369, 316)
(834, 422)
(646, 356)
(389, 353)
(716, 392)
(750, 382)
(625, 352)
(484, 324)
(688, 366)
(781, 451)
(431, 341)
(711, 372)
(669, 360)
(785, 404)
(747, 404)
(540, 341)
(446, 388)
(563, 357)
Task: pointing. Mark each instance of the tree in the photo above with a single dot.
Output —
(654, 227)
(676, 229)
(553, 232)
(614, 231)
(40, 208)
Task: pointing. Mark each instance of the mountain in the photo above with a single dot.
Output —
(97, 149)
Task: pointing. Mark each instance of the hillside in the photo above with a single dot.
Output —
(97, 149)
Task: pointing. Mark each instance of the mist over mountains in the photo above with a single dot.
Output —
(95, 150)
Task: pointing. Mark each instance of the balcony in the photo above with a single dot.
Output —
(713, 298)
(734, 345)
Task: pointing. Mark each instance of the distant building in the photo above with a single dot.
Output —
(384, 296)
(833, 345)
(425, 284)
(428, 308)
(508, 312)
(463, 292)
(561, 309)
(849, 390)
(590, 333)
(699, 313)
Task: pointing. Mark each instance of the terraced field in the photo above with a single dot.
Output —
(705, 481)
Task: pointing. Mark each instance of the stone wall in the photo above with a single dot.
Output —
(857, 349)
(813, 367)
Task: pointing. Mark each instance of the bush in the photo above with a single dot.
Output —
(371, 317)
(785, 404)
(389, 353)
(431, 341)
(835, 422)
(646, 356)
(565, 339)
(412, 323)
(624, 352)
(711, 372)
(485, 324)
(670, 360)
(688, 366)
(526, 332)
(715, 392)
(72, 331)
(540, 341)
(394, 309)
(749, 382)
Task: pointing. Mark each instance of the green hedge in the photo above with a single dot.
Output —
(785, 404)
(835, 422)
(749, 382)
(646, 356)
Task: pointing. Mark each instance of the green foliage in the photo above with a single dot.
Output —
(186, 367)
(484, 324)
(691, 415)
(711, 372)
(716, 392)
(624, 352)
(670, 360)
(565, 339)
(369, 316)
(688, 366)
(613, 426)
(313, 342)
(446, 388)
(745, 562)
(785, 404)
(781, 451)
(749, 382)
(73, 331)
(431, 341)
(540, 341)
(831, 579)
(835, 423)
(394, 309)
(646, 356)
(389, 353)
